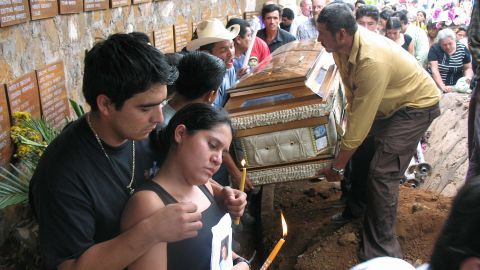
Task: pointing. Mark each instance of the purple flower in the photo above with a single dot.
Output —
(451, 14)
(435, 14)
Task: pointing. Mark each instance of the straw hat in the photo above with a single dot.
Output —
(211, 31)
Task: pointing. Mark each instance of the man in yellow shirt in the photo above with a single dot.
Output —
(392, 98)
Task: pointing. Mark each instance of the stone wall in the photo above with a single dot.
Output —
(31, 45)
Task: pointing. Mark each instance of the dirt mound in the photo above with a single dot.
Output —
(314, 243)
(447, 145)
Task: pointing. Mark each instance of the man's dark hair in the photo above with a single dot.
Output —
(243, 25)
(199, 73)
(271, 8)
(459, 238)
(402, 15)
(393, 23)
(286, 12)
(386, 14)
(122, 66)
(361, 2)
(207, 47)
(196, 117)
(367, 11)
(141, 36)
(336, 16)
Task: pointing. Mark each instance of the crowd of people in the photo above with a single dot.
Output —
(140, 180)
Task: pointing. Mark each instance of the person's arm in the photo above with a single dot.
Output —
(339, 163)
(362, 110)
(171, 223)
(438, 78)
(468, 71)
(240, 265)
(232, 199)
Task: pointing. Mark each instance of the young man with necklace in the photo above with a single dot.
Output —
(88, 172)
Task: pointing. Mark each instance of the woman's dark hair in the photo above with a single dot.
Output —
(338, 15)
(386, 14)
(196, 117)
(122, 66)
(393, 23)
(199, 73)
(402, 16)
(460, 238)
(424, 13)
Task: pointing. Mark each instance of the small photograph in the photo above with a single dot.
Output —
(320, 136)
(224, 263)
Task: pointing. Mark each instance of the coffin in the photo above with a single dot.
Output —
(288, 114)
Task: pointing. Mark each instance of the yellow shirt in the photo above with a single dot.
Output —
(380, 77)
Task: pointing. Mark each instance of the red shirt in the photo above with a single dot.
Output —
(260, 49)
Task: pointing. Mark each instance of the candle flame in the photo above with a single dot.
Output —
(284, 225)
(243, 162)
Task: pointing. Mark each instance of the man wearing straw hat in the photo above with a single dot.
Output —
(215, 39)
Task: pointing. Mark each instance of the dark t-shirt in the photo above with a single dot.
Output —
(198, 249)
(78, 196)
(450, 66)
(283, 37)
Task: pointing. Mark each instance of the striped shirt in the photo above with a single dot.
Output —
(450, 66)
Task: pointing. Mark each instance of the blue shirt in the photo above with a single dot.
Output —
(228, 82)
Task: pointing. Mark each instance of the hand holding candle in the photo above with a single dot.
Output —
(277, 247)
(242, 185)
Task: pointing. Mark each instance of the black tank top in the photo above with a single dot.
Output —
(194, 253)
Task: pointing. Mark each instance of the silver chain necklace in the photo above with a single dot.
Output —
(129, 187)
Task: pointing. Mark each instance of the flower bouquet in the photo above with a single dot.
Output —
(446, 13)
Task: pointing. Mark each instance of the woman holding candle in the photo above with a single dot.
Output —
(194, 141)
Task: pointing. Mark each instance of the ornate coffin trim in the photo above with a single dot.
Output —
(282, 116)
(287, 173)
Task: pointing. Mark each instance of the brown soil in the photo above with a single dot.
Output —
(313, 243)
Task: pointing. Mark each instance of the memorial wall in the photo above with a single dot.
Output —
(43, 43)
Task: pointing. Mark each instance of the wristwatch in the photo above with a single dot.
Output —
(241, 259)
(339, 172)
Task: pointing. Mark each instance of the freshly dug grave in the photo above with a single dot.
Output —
(314, 243)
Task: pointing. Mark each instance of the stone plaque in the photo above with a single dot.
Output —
(119, 3)
(5, 141)
(53, 94)
(249, 15)
(22, 95)
(163, 39)
(13, 12)
(140, 1)
(182, 33)
(90, 5)
(41, 9)
(70, 6)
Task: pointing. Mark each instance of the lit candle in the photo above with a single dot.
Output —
(242, 185)
(277, 247)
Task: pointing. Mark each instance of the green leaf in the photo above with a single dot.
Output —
(77, 108)
(14, 185)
